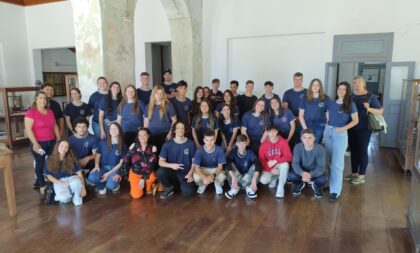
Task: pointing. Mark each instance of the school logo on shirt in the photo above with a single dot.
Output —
(246, 164)
(186, 151)
(185, 107)
(86, 144)
(261, 122)
(283, 119)
(82, 112)
(321, 104)
(301, 95)
(117, 153)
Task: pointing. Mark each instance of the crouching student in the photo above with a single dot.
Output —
(65, 174)
(140, 163)
(274, 155)
(243, 169)
(109, 159)
(308, 165)
(175, 162)
(208, 165)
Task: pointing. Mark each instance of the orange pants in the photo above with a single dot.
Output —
(134, 178)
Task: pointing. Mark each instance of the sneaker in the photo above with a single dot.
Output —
(297, 189)
(231, 193)
(349, 177)
(272, 184)
(280, 191)
(333, 197)
(116, 189)
(42, 189)
(250, 193)
(358, 180)
(102, 191)
(169, 191)
(201, 189)
(219, 189)
(317, 191)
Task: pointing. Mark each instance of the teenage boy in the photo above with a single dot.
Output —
(168, 83)
(182, 104)
(234, 88)
(83, 144)
(243, 169)
(175, 162)
(144, 92)
(268, 94)
(54, 106)
(308, 165)
(215, 94)
(247, 100)
(274, 155)
(208, 165)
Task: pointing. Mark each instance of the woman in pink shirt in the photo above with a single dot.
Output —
(42, 130)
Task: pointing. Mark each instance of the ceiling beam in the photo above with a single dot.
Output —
(29, 2)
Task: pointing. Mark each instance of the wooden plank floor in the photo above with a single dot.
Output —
(368, 218)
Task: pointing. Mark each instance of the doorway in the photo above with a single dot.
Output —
(158, 58)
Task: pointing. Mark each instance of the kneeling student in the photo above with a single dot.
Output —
(243, 169)
(275, 155)
(308, 165)
(65, 173)
(208, 164)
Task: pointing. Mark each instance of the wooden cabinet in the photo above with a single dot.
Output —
(59, 81)
(16, 100)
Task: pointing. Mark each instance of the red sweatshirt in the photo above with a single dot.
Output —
(279, 151)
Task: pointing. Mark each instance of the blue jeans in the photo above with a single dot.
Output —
(243, 179)
(40, 160)
(95, 178)
(96, 129)
(297, 179)
(318, 129)
(335, 148)
(72, 191)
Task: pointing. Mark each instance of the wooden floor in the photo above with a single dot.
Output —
(368, 218)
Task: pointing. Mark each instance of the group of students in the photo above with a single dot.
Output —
(144, 136)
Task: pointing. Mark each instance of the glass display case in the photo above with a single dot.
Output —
(407, 124)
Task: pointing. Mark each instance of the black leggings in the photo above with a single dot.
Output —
(358, 143)
(158, 140)
(169, 177)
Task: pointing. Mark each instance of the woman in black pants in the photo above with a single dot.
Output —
(359, 136)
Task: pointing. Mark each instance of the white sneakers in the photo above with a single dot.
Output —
(201, 189)
(219, 189)
(280, 191)
(273, 183)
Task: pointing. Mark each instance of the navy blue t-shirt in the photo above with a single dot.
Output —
(112, 116)
(131, 122)
(235, 109)
(159, 125)
(243, 162)
(75, 112)
(94, 102)
(111, 156)
(227, 129)
(83, 147)
(169, 88)
(204, 126)
(314, 110)
(361, 110)
(144, 95)
(208, 160)
(255, 126)
(62, 174)
(283, 123)
(182, 108)
(293, 98)
(181, 153)
(338, 118)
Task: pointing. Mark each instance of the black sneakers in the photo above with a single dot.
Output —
(317, 191)
(169, 191)
(333, 197)
(297, 189)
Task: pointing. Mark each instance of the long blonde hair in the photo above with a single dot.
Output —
(152, 103)
(360, 79)
(125, 100)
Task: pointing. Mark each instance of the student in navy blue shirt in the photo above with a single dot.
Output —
(283, 119)
(202, 122)
(75, 109)
(182, 104)
(292, 97)
(175, 161)
(216, 95)
(229, 126)
(159, 115)
(108, 108)
(312, 109)
(341, 116)
(228, 99)
(268, 95)
(65, 174)
(253, 126)
(243, 169)
(144, 92)
(359, 136)
(108, 161)
(208, 165)
(168, 84)
(83, 144)
(94, 103)
(130, 114)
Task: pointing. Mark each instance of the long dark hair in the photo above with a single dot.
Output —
(109, 107)
(200, 115)
(271, 112)
(120, 137)
(66, 165)
(346, 107)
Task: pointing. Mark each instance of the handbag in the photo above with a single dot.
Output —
(49, 193)
(373, 123)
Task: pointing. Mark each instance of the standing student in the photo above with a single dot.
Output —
(84, 145)
(341, 116)
(247, 100)
(198, 97)
(268, 94)
(182, 104)
(208, 165)
(202, 122)
(206, 93)
(229, 125)
(312, 109)
(140, 163)
(283, 119)
(48, 89)
(274, 155)
(308, 165)
(130, 114)
(359, 136)
(243, 169)
(254, 124)
(175, 161)
(108, 110)
(215, 94)
(65, 173)
(233, 86)
(75, 109)
(94, 103)
(159, 116)
(144, 92)
(228, 99)
(168, 84)
(108, 161)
